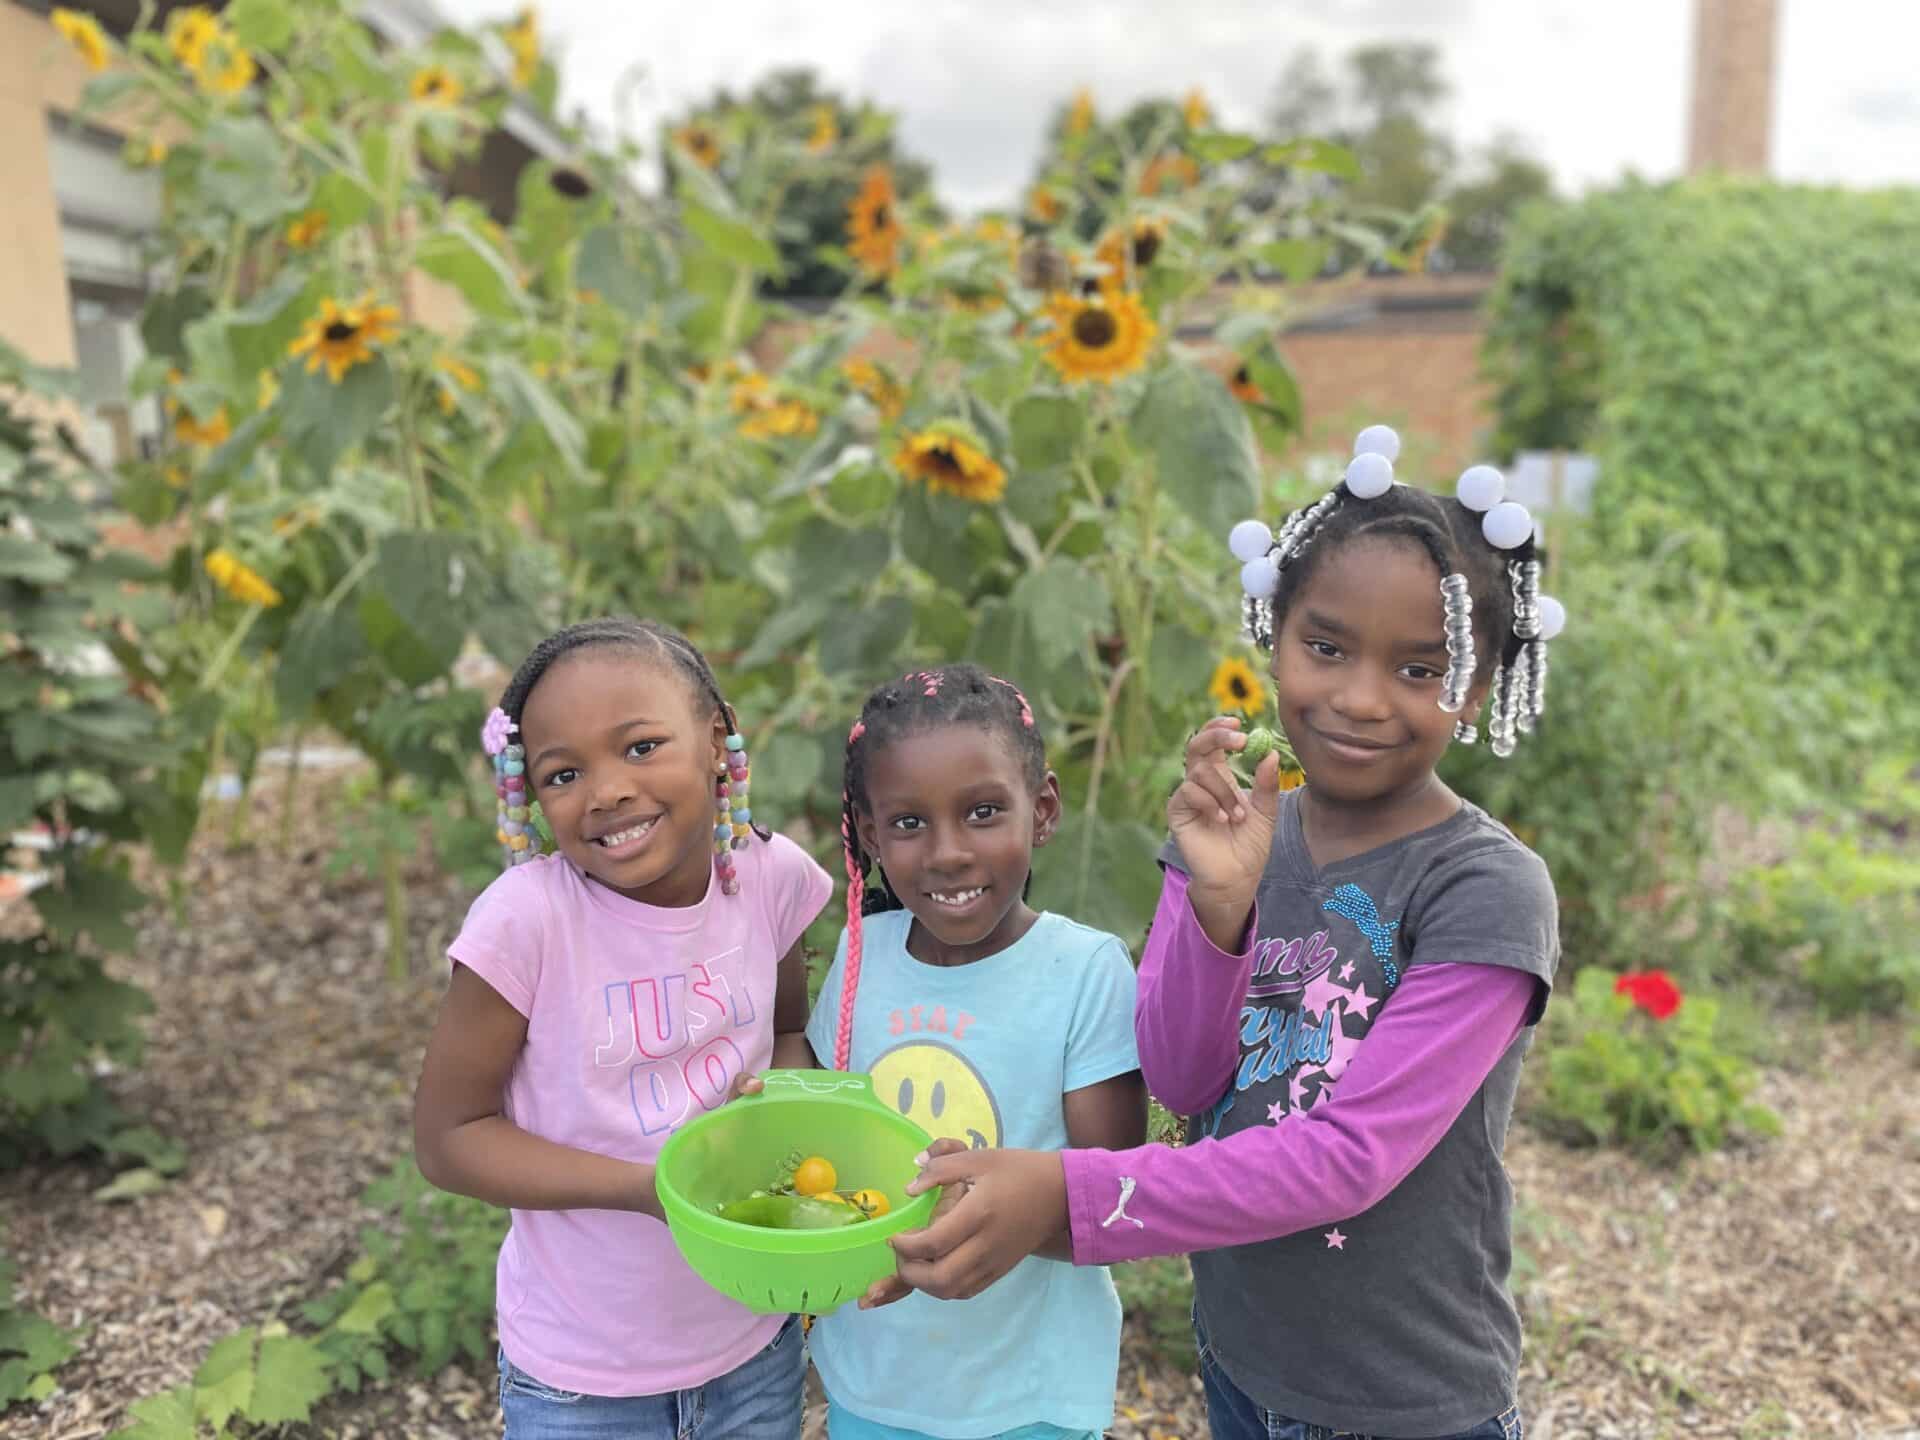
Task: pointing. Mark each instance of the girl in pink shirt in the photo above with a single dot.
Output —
(600, 996)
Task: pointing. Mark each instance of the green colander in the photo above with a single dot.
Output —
(728, 1153)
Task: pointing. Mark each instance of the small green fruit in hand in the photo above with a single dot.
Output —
(1262, 742)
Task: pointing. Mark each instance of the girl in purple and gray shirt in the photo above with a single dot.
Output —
(1338, 990)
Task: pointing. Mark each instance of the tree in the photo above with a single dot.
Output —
(1482, 208)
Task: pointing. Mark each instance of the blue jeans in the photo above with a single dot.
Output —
(1233, 1415)
(759, 1400)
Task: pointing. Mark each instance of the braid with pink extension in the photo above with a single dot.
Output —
(856, 893)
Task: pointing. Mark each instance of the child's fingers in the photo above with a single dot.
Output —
(745, 1084)
(1266, 786)
(1218, 735)
(885, 1292)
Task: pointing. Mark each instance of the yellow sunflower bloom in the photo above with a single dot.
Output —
(1127, 252)
(1195, 111)
(1098, 337)
(951, 465)
(83, 32)
(698, 144)
(225, 67)
(308, 231)
(750, 392)
(1171, 170)
(435, 85)
(240, 580)
(209, 432)
(889, 397)
(874, 231)
(1292, 779)
(459, 374)
(826, 131)
(189, 32)
(523, 42)
(1236, 687)
(1080, 115)
(342, 336)
(1043, 205)
(782, 419)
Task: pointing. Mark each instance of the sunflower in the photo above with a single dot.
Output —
(889, 397)
(1126, 253)
(189, 32)
(1195, 110)
(1169, 168)
(826, 131)
(225, 67)
(1043, 205)
(342, 336)
(874, 232)
(1080, 114)
(83, 32)
(435, 85)
(308, 230)
(1237, 687)
(698, 144)
(1243, 387)
(751, 391)
(459, 374)
(1291, 779)
(523, 40)
(782, 418)
(209, 432)
(953, 465)
(240, 580)
(1098, 337)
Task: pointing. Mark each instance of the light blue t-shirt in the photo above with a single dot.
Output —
(984, 1053)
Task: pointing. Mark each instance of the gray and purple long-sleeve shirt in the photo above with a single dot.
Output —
(1350, 1073)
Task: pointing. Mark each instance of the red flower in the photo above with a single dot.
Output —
(1652, 990)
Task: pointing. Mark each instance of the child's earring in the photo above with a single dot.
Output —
(733, 819)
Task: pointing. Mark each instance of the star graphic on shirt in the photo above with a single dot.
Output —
(1297, 1086)
(1320, 993)
(1346, 972)
(1335, 1240)
(1276, 1112)
(1341, 1048)
(1359, 1002)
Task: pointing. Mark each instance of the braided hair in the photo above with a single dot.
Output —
(918, 701)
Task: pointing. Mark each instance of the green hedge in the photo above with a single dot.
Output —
(1749, 353)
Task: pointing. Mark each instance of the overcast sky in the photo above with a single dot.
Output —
(1596, 88)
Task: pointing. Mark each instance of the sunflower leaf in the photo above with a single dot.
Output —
(473, 267)
(731, 238)
(1202, 444)
(1046, 430)
(1064, 602)
(325, 419)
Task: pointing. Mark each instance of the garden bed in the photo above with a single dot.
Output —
(1760, 1292)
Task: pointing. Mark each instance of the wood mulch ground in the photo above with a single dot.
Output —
(1767, 1291)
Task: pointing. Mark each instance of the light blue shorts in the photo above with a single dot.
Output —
(843, 1424)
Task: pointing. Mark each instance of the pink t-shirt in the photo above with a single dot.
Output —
(637, 1018)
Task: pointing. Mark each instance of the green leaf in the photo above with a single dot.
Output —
(31, 560)
(412, 658)
(1046, 430)
(343, 198)
(244, 173)
(1298, 260)
(166, 1416)
(1202, 446)
(223, 1385)
(16, 802)
(731, 239)
(131, 1185)
(260, 24)
(44, 1345)
(1215, 146)
(1311, 154)
(830, 559)
(168, 1157)
(320, 650)
(1064, 603)
(473, 267)
(861, 642)
(291, 1377)
(788, 631)
(1102, 873)
(605, 265)
(325, 420)
(163, 327)
(536, 402)
(424, 580)
(108, 89)
(92, 900)
(862, 491)
(932, 536)
(369, 1308)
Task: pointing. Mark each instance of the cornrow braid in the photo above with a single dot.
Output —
(918, 701)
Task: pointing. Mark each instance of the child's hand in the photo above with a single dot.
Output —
(885, 1292)
(745, 1083)
(1015, 1201)
(1225, 833)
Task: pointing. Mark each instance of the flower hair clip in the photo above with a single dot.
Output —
(497, 731)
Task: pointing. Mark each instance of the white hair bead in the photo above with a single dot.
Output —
(1249, 540)
(1553, 617)
(1380, 440)
(1260, 577)
(1369, 476)
(1507, 525)
(1480, 487)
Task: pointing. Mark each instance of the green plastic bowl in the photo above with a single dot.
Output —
(727, 1154)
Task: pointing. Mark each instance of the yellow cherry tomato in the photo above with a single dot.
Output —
(814, 1176)
(873, 1202)
(834, 1197)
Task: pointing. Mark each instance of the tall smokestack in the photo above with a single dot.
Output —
(1731, 126)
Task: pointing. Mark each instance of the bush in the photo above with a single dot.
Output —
(1632, 1060)
(1742, 351)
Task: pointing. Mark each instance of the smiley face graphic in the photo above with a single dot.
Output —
(937, 1088)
